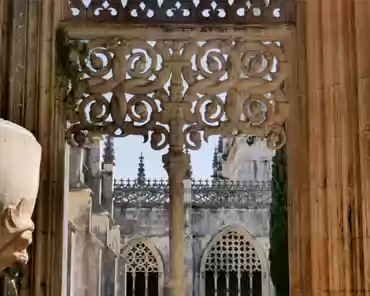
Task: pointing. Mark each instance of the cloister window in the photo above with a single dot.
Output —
(143, 271)
(231, 266)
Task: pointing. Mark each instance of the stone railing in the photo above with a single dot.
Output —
(182, 11)
(204, 193)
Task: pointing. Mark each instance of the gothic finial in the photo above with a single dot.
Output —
(189, 172)
(220, 145)
(141, 170)
(214, 161)
(109, 153)
(217, 160)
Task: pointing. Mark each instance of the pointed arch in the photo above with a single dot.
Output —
(234, 260)
(143, 269)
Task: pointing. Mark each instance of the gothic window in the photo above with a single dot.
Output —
(232, 267)
(143, 271)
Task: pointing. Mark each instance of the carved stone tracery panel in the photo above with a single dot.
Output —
(233, 253)
(204, 193)
(183, 11)
(219, 86)
(141, 259)
(143, 270)
(231, 264)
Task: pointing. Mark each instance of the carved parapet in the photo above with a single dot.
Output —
(20, 158)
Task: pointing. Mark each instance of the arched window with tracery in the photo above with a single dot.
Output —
(232, 266)
(143, 270)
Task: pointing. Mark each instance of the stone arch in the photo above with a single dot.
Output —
(239, 257)
(141, 258)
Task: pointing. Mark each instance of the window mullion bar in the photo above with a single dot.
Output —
(146, 283)
(133, 283)
(251, 283)
(215, 279)
(227, 275)
(239, 282)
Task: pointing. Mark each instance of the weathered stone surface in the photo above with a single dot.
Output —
(93, 248)
(202, 225)
(20, 157)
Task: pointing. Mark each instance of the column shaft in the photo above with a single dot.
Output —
(329, 227)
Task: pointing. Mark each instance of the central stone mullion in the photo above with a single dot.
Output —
(176, 163)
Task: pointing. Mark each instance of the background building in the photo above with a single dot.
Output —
(119, 229)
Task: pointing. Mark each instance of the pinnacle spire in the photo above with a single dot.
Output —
(217, 160)
(220, 145)
(214, 161)
(189, 172)
(141, 170)
(109, 153)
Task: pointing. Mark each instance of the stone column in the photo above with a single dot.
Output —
(176, 162)
(329, 151)
(189, 268)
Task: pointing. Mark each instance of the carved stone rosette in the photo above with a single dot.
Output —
(20, 157)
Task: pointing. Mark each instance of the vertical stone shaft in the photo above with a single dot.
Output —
(177, 236)
(329, 227)
(176, 163)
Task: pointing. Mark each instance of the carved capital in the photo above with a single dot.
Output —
(176, 164)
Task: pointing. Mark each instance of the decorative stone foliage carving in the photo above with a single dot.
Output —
(207, 87)
(184, 11)
(20, 157)
(204, 193)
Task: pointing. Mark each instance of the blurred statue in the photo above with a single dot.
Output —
(20, 158)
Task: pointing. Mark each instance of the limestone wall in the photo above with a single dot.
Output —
(93, 249)
(248, 162)
(201, 226)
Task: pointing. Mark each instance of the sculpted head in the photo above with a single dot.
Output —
(20, 157)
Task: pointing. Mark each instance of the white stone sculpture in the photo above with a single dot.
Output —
(20, 158)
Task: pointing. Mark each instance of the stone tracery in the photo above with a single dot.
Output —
(232, 264)
(144, 273)
(219, 87)
(184, 11)
(141, 259)
(185, 85)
